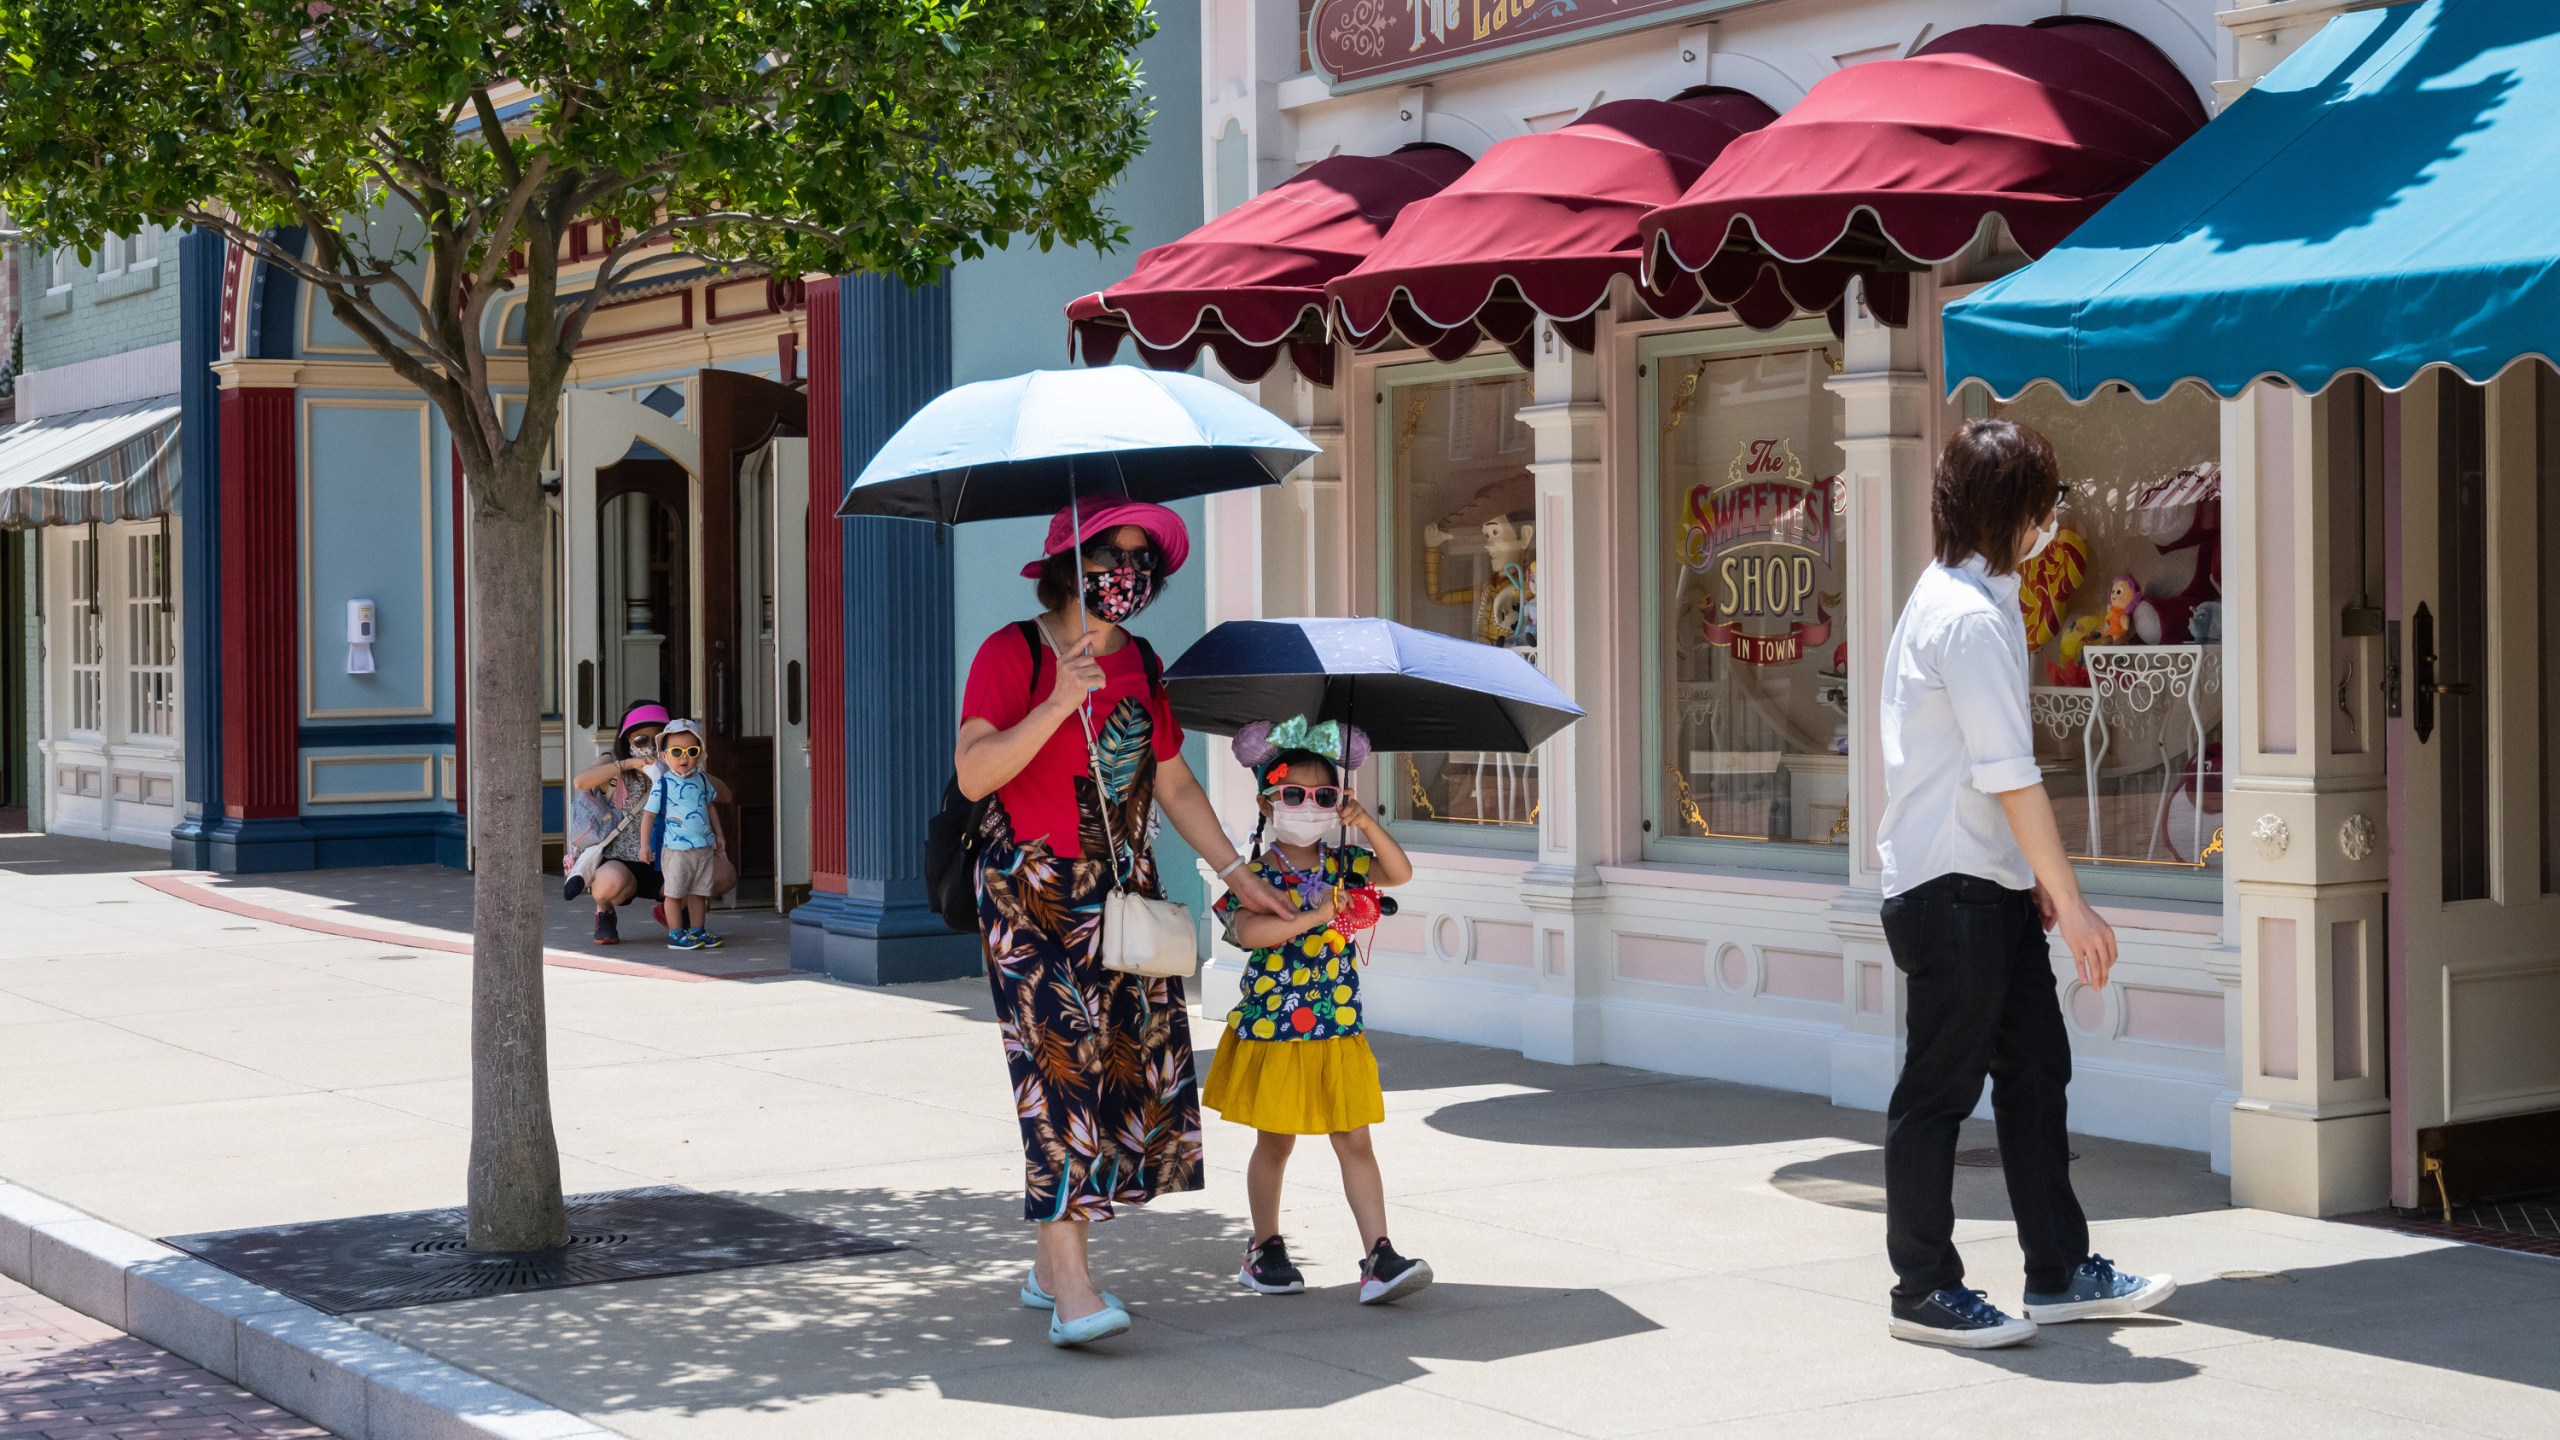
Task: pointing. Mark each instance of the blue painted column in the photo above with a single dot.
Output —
(898, 712)
(200, 256)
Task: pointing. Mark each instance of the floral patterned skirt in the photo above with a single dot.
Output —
(1103, 1080)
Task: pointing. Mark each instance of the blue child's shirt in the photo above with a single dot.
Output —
(685, 801)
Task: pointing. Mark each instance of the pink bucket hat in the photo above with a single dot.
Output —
(1172, 538)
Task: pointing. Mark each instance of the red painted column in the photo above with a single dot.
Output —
(826, 591)
(261, 689)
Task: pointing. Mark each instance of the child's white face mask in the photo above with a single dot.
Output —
(1302, 824)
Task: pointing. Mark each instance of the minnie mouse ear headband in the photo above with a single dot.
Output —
(1165, 531)
(1262, 742)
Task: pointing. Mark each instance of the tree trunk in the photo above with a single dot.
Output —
(515, 1156)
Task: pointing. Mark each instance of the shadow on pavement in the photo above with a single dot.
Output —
(944, 1314)
(42, 855)
(2115, 1180)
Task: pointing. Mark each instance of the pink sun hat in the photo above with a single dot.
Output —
(1171, 537)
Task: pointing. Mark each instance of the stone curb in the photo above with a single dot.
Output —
(329, 1371)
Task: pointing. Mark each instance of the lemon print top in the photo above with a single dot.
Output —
(1308, 988)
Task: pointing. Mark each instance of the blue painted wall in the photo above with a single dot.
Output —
(1007, 316)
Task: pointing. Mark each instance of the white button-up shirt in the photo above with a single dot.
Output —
(1956, 732)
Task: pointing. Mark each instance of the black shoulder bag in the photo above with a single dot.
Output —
(951, 840)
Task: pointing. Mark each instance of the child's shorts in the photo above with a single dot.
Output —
(686, 873)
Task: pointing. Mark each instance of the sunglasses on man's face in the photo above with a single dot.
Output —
(1112, 557)
(1326, 797)
(681, 752)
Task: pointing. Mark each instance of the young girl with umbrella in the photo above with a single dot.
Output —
(1294, 1058)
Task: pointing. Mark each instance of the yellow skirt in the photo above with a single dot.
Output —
(1296, 1087)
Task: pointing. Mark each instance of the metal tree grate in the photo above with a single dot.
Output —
(384, 1262)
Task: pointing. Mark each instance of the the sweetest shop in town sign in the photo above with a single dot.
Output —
(1360, 43)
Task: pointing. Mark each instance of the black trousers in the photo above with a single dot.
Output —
(1982, 1003)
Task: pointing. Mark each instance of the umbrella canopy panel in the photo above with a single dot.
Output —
(1250, 284)
(1897, 165)
(2365, 208)
(998, 449)
(1409, 689)
(1540, 227)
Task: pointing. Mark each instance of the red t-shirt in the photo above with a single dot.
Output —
(1042, 799)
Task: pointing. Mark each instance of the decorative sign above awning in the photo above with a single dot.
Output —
(1360, 43)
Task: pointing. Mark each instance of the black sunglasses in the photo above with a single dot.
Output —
(1112, 557)
(1327, 797)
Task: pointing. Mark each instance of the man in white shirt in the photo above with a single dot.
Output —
(1974, 875)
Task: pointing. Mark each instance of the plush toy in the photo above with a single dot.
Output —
(2071, 670)
(2131, 620)
(2205, 626)
(2202, 533)
(2046, 582)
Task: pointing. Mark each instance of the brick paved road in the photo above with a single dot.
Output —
(64, 1376)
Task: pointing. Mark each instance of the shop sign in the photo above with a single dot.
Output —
(1762, 541)
(1359, 43)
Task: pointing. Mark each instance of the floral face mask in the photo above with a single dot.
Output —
(1112, 596)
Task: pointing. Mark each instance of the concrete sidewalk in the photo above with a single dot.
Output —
(1621, 1253)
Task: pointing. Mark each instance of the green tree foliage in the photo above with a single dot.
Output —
(436, 153)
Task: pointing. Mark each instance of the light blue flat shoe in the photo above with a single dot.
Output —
(1100, 1325)
(1035, 1298)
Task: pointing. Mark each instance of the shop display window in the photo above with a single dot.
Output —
(1460, 557)
(1746, 571)
(2123, 614)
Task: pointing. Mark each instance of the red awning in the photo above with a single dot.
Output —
(1251, 282)
(1893, 166)
(1540, 226)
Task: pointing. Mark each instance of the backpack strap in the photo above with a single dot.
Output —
(1039, 651)
(1155, 667)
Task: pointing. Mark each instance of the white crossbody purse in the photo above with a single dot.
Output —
(1140, 936)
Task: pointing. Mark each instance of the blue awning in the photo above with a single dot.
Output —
(2387, 200)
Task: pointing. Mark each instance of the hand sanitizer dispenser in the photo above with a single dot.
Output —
(359, 637)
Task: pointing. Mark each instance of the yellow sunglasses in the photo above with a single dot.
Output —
(685, 752)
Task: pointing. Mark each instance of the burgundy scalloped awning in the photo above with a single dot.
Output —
(1895, 165)
(1540, 226)
(1250, 283)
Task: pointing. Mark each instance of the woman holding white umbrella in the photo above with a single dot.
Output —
(1067, 736)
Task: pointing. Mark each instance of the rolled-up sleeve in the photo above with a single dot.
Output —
(1985, 674)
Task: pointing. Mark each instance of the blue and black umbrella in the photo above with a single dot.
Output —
(1410, 689)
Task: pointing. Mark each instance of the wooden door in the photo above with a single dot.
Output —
(2474, 755)
(736, 417)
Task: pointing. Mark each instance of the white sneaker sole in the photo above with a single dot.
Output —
(1244, 1276)
(2157, 1289)
(1413, 1279)
(2016, 1332)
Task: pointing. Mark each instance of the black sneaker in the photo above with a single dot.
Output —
(1268, 1271)
(1386, 1275)
(608, 927)
(1965, 1319)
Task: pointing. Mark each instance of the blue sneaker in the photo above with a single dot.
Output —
(704, 939)
(1965, 1319)
(682, 940)
(2099, 1289)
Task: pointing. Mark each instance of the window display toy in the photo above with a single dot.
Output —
(2131, 620)
(1507, 544)
(2047, 582)
(2205, 626)
(2071, 670)
(2197, 490)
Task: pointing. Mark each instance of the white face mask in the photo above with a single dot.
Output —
(2044, 537)
(1302, 824)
